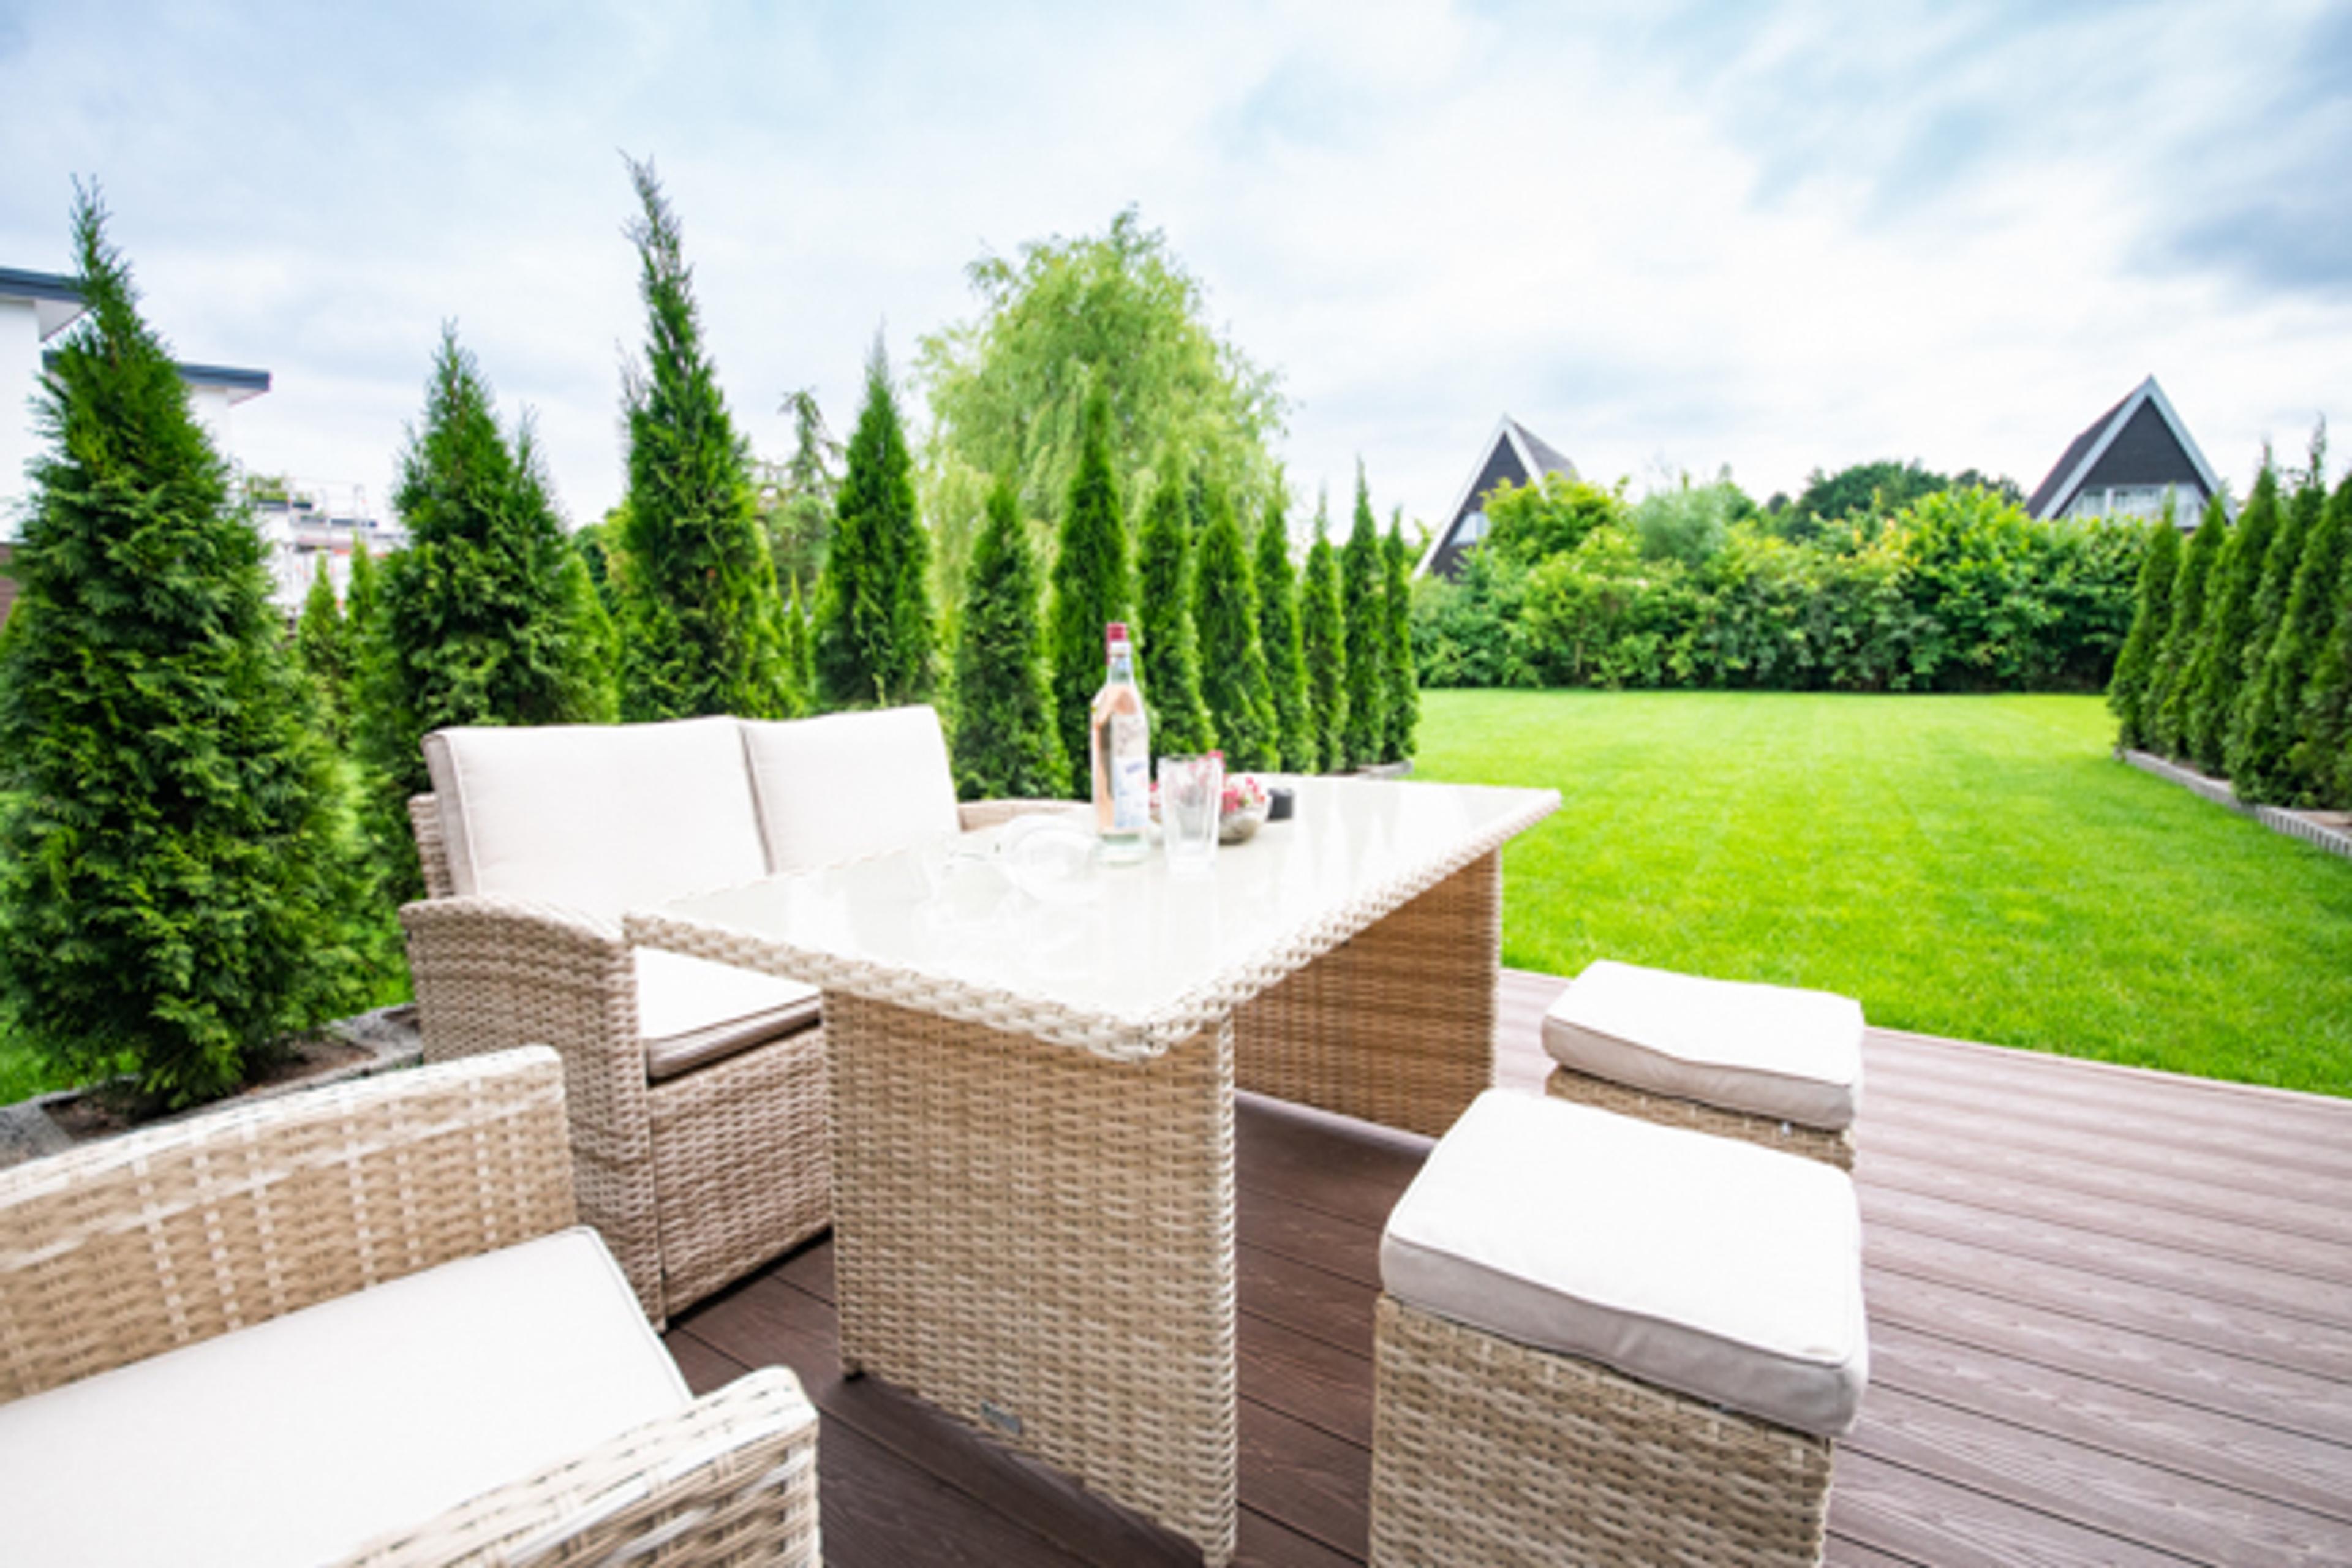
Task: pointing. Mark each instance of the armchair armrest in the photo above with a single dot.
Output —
(730, 1479)
(120, 1250)
(979, 813)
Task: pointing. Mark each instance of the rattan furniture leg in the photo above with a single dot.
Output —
(1041, 1241)
(1490, 1452)
(1396, 1024)
(1813, 1142)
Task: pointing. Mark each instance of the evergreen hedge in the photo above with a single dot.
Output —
(1364, 728)
(1278, 632)
(2152, 614)
(874, 608)
(699, 615)
(176, 859)
(1167, 641)
(1005, 745)
(2255, 741)
(1233, 662)
(1323, 643)
(1090, 587)
(2165, 709)
(1401, 680)
(2321, 757)
(323, 646)
(2217, 666)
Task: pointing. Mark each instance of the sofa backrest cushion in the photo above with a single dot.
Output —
(849, 784)
(601, 819)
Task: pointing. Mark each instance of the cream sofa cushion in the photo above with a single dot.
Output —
(1769, 1050)
(1720, 1270)
(601, 818)
(849, 784)
(294, 1442)
(692, 1011)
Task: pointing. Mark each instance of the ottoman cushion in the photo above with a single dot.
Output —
(1717, 1268)
(1768, 1050)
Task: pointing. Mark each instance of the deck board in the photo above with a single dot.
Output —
(2111, 1322)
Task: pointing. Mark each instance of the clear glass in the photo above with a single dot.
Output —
(1192, 792)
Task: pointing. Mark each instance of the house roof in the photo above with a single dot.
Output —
(1514, 453)
(2139, 441)
(55, 299)
(239, 383)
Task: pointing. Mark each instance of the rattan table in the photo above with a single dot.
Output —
(1031, 1091)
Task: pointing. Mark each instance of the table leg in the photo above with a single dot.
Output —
(1041, 1242)
(1396, 1024)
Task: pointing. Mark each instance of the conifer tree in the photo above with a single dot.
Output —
(2160, 567)
(2319, 759)
(800, 656)
(2255, 743)
(1168, 647)
(1323, 642)
(1005, 743)
(177, 870)
(2165, 707)
(1090, 586)
(1233, 662)
(1366, 726)
(1401, 686)
(699, 608)
(487, 617)
(2218, 667)
(874, 600)
(1286, 658)
(323, 648)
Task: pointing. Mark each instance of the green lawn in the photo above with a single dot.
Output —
(1976, 866)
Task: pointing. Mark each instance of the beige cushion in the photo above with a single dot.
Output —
(1723, 1270)
(293, 1442)
(692, 1011)
(849, 784)
(1769, 1050)
(596, 817)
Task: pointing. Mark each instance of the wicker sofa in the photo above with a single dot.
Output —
(697, 1091)
(358, 1325)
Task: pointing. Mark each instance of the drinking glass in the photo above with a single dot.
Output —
(1191, 791)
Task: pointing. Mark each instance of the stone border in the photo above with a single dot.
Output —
(2294, 825)
(388, 1035)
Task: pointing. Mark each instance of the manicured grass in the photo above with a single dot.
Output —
(1975, 867)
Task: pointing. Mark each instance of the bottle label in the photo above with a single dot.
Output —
(1131, 773)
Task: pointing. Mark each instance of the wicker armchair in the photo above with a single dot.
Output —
(276, 1255)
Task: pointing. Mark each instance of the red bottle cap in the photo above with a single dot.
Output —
(1115, 632)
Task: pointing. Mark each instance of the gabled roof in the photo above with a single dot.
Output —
(2162, 452)
(1512, 447)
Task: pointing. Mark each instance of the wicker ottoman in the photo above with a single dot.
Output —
(1767, 1063)
(1602, 1341)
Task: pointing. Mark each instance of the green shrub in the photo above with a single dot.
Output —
(2216, 666)
(873, 607)
(1366, 722)
(2260, 730)
(2152, 613)
(1090, 587)
(1005, 744)
(1286, 658)
(177, 865)
(2320, 759)
(1232, 663)
(2167, 707)
(1527, 523)
(1323, 642)
(1166, 642)
(1399, 677)
(323, 649)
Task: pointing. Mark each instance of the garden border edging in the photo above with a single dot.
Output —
(2292, 824)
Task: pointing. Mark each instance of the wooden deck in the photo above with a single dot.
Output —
(2111, 1322)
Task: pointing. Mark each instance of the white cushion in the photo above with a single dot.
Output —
(692, 1011)
(1723, 1270)
(596, 817)
(294, 1442)
(849, 784)
(1769, 1050)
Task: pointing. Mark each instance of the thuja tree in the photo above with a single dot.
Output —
(1278, 620)
(2320, 757)
(2217, 666)
(487, 617)
(2253, 746)
(699, 609)
(2151, 616)
(1004, 744)
(2167, 705)
(176, 864)
(1090, 586)
(1232, 663)
(799, 642)
(322, 645)
(1167, 646)
(874, 602)
(1401, 684)
(1323, 643)
(2269, 762)
(1366, 724)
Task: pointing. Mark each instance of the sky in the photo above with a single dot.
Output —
(1666, 238)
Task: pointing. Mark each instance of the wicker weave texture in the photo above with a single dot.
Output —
(120, 1250)
(432, 848)
(1397, 1024)
(731, 1479)
(1813, 1142)
(1041, 1242)
(1490, 1452)
(740, 1172)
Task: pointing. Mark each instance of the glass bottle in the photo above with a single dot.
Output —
(1122, 753)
